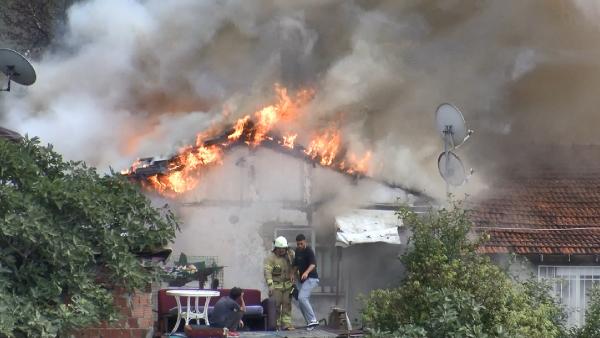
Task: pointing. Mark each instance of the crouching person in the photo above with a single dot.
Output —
(228, 313)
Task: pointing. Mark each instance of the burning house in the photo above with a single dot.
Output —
(324, 159)
(238, 189)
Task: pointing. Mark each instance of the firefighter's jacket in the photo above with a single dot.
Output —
(278, 270)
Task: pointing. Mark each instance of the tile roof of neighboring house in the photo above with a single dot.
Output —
(548, 214)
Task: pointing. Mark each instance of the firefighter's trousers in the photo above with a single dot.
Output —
(282, 304)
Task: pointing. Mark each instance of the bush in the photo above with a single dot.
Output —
(591, 327)
(61, 227)
(452, 291)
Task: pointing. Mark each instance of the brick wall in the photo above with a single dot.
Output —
(137, 318)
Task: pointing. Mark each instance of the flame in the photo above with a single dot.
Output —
(180, 183)
(201, 156)
(288, 140)
(238, 128)
(136, 164)
(266, 117)
(325, 146)
(139, 163)
(183, 170)
(357, 165)
(286, 109)
(289, 108)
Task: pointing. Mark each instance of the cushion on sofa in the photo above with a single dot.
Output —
(167, 304)
(251, 310)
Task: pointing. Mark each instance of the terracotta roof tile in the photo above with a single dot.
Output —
(550, 214)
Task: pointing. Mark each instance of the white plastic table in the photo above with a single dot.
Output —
(192, 313)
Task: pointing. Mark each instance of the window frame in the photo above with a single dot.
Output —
(569, 284)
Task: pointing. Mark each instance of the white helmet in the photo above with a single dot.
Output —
(281, 242)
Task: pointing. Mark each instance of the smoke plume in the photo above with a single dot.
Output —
(141, 78)
(133, 78)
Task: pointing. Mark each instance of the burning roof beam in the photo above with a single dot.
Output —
(180, 173)
(145, 168)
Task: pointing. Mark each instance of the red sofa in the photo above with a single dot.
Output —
(254, 317)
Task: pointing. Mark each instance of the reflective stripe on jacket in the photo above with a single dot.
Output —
(278, 270)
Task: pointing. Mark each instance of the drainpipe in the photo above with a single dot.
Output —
(338, 250)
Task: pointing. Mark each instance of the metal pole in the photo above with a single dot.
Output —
(448, 145)
(337, 275)
(447, 133)
(9, 75)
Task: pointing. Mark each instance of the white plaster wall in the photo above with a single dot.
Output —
(236, 206)
(213, 231)
(251, 175)
(233, 210)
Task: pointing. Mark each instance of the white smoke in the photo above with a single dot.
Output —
(135, 78)
(140, 78)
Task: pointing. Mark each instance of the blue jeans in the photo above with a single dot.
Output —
(305, 289)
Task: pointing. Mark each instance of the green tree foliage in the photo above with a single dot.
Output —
(452, 291)
(591, 327)
(67, 235)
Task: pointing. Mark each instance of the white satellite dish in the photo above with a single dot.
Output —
(451, 125)
(451, 169)
(16, 68)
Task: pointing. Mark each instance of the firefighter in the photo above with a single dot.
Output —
(280, 279)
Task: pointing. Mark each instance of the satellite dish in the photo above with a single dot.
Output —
(451, 125)
(16, 67)
(451, 168)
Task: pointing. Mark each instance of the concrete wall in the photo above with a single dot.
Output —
(237, 206)
(518, 267)
(240, 237)
(234, 210)
(367, 267)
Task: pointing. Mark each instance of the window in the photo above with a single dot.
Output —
(570, 284)
(291, 233)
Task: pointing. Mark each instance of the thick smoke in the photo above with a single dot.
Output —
(139, 78)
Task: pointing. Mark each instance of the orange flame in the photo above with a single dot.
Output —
(288, 141)
(201, 156)
(266, 119)
(136, 164)
(183, 169)
(180, 183)
(285, 109)
(181, 177)
(357, 165)
(238, 128)
(325, 146)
